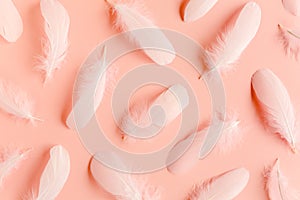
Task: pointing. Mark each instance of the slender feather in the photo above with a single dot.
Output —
(231, 44)
(16, 102)
(55, 44)
(290, 40)
(277, 185)
(11, 25)
(122, 186)
(223, 187)
(142, 31)
(276, 105)
(292, 6)
(195, 9)
(54, 175)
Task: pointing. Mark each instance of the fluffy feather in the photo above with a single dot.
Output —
(277, 185)
(122, 186)
(195, 9)
(54, 175)
(292, 6)
(223, 187)
(231, 136)
(11, 25)
(231, 44)
(55, 44)
(10, 159)
(275, 102)
(151, 40)
(290, 40)
(16, 102)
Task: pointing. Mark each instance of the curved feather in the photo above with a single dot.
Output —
(231, 44)
(196, 9)
(290, 40)
(143, 32)
(276, 105)
(55, 44)
(11, 25)
(223, 187)
(277, 185)
(292, 6)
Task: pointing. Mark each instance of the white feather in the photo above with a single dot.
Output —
(195, 9)
(143, 32)
(292, 6)
(55, 44)
(231, 44)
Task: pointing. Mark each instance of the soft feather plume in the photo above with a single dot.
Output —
(231, 44)
(290, 40)
(292, 6)
(16, 102)
(277, 185)
(231, 137)
(55, 44)
(275, 102)
(195, 9)
(11, 25)
(54, 175)
(145, 120)
(223, 187)
(10, 159)
(122, 186)
(151, 40)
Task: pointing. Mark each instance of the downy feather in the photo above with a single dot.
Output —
(55, 43)
(11, 25)
(277, 185)
(231, 44)
(276, 105)
(223, 187)
(292, 6)
(142, 31)
(195, 9)
(290, 40)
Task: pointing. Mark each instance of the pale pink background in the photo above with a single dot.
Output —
(91, 25)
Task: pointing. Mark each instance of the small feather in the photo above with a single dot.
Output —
(292, 6)
(223, 187)
(290, 40)
(11, 25)
(55, 44)
(142, 31)
(195, 9)
(276, 105)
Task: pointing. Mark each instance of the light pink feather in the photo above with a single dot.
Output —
(277, 185)
(195, 9)
(292, 6)
(290, 40)
(276, 105)
(11, 25)
(226, 186)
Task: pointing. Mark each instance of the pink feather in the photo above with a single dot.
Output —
(290, 40)
(276, 105)
(223, 187)
(292, 6)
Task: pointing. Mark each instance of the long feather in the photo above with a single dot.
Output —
(277, 185)
(54, 175)
(55, 44)
(290, 40)
(231, 137)
(231, 44)
(142, 31)
(10, 160)
(11, 25)
(195, 9)
(292, 6)
(276, 105)
(16, 102)
(223, 187)
(122, 186)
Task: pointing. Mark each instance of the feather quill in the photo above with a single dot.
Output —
(231, 44)
(223, 187)
(11, 25)
(290, 40)
(195, 9)
(142, 31)
(292, 6)
(122, 186)
(55, 44)
(277, 185)
(276, 105)
(16, 102)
